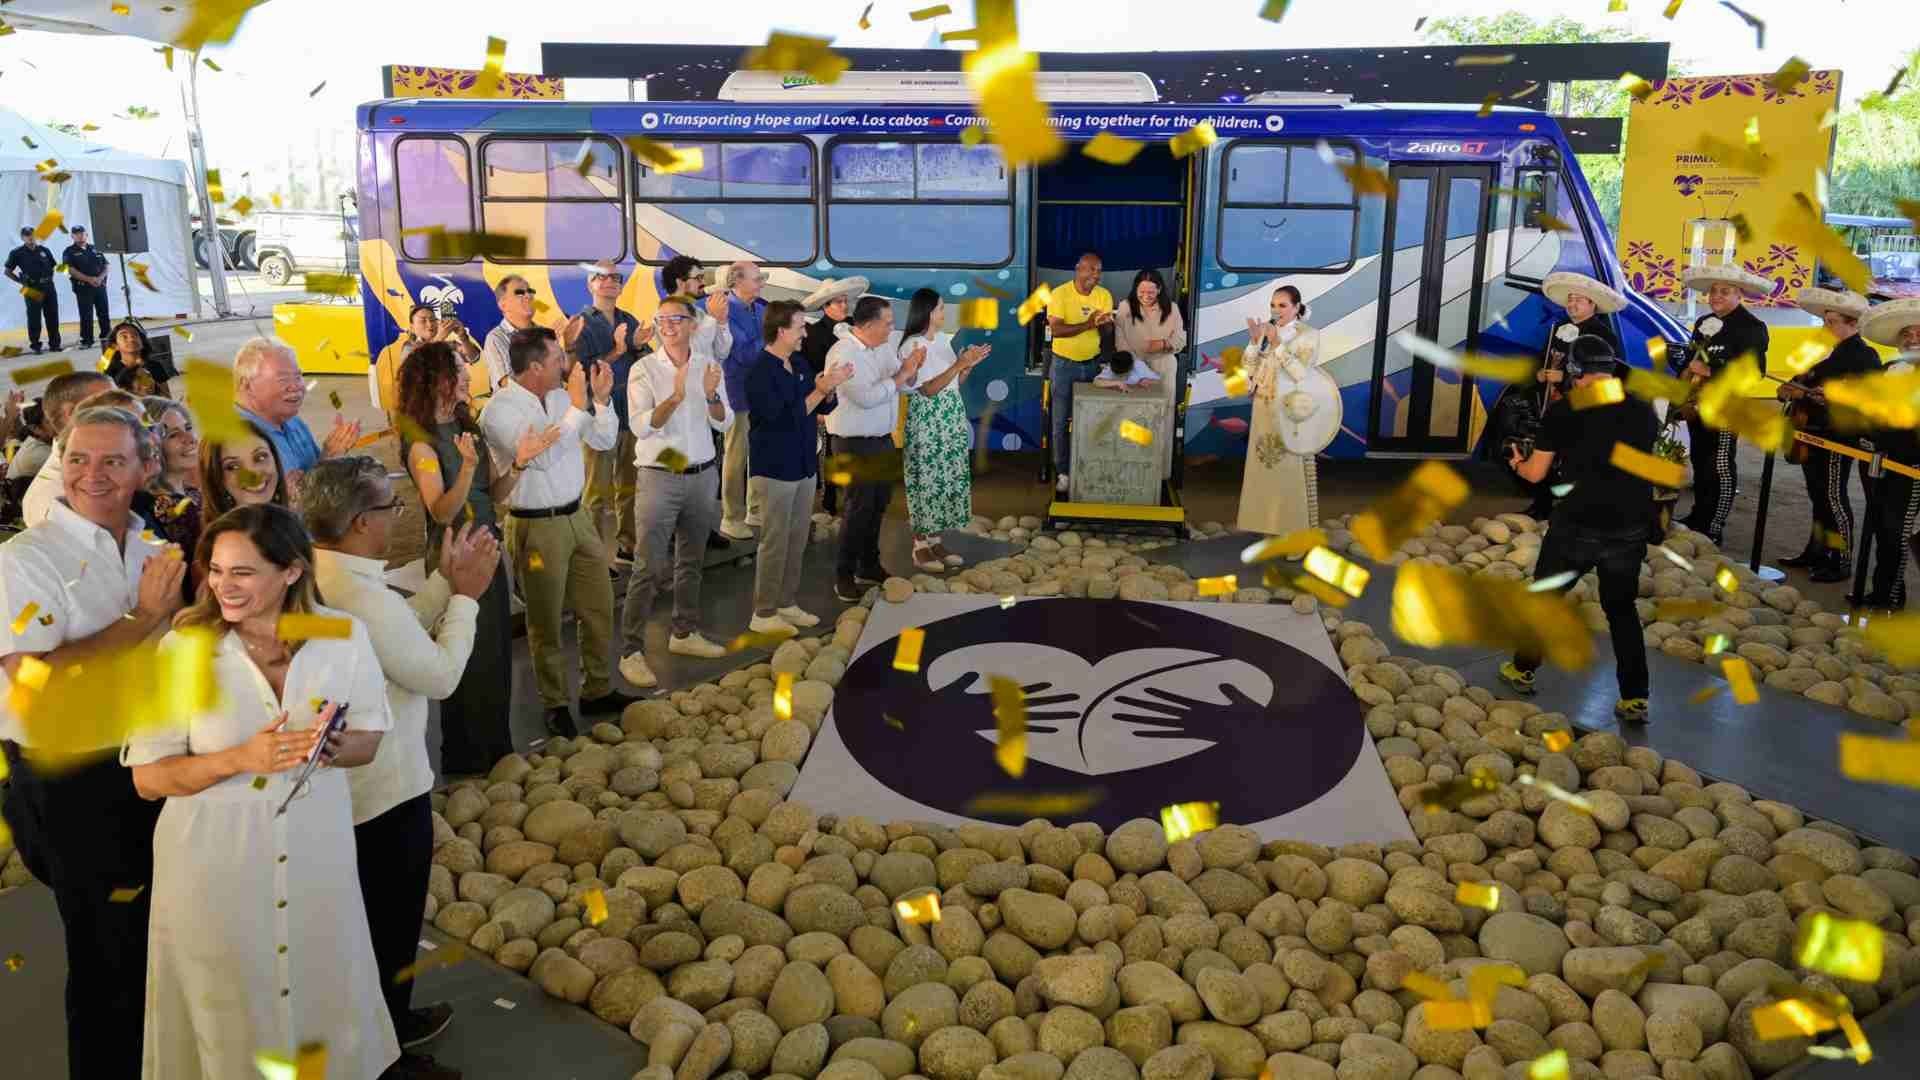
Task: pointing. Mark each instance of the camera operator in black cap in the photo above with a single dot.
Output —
(1605, 521)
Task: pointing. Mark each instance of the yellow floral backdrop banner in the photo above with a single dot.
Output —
(1713, 164)
(404, 80)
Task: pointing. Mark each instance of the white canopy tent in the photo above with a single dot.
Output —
(25, 198)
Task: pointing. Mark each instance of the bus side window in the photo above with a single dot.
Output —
(1534, 243)
(434, 190)
(562, 192)
(918, 203)
(752, 195)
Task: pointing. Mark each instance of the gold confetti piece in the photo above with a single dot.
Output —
(596, 902)
(1556, 582)
(214, 190)
(1880, 761)
(1843, 948)
(671, 460)
(371, 437)
(1557, 740)
(973, 136)
(1703, 695)
(1347, 576)
(1450, 1015)
(211, 65)
(1483, 60)
(49, 224)
(445, 956)
(1598, 392)
(465, 246)
(1008, 601)
(1715, 644)
(1685, 610)
(259, 783)
(125, 896)
(979, 315)
(32, 673)
(1137, 434)
(1224, 585)
(1487, 103)
(1857, 1046)
(25, 618)
(783, 695)
(1428, 494)
(1451, 794)
(1554, 791)
(1291, 546)
(1110, 149)
(797, 52)
(1638, 87)
(1549, 1066)
(1477, 894)
(906, 650)
(1035, 303)
(1727, 579)
(751, 640)
(865, 24)
(1010, 721)
(488, 84)
(333, 284)
(1366, 180)
(932, 12)
(1001, 74)
(918, 910)
(122, 9)
(1044, 805)
(1435, 605)
(1184, 820)
(429, 466)
(1802, 222)
(297, 627)
(1673, 8)
(893, 722)
(333, 398)
(1792, 1018)
(1272, 10)
(1238, 385)
(1673, 557)
(1196, 138)
(535, 562)
(886, 467)
(1483, 987)
(150, 686)
(15, 961)
(1656, 470)
(1426, 986)
(1740, 680)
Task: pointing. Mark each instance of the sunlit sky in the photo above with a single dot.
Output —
(258, 106)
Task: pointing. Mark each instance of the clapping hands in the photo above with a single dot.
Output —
(341, 439)
(469, 559)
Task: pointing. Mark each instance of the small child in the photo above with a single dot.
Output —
(1121, 372)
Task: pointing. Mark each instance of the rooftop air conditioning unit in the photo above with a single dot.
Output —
(1299, 98)
(933, 87)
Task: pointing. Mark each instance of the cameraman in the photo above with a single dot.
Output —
(1605, 522)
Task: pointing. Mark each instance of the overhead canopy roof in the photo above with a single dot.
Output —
(24, 144)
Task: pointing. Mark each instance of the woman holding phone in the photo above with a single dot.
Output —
(258, 939)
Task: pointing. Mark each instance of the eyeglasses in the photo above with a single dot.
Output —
(523, 292)
(672, 320)
(615, 278)
(393, 508)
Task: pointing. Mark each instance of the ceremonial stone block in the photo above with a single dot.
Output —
(1107, 466)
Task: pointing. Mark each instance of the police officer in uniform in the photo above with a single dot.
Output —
(1724, 334)
(1826, 554)
(87, 270)
(31, 266)
(1893, 508)
(1604, 523)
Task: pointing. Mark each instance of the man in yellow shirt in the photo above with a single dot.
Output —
(1075, 315)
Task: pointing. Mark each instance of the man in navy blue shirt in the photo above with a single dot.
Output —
(87, 272)
(739, 498)
(607, 334)
(30, 266)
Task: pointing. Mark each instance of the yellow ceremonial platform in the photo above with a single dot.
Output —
(329, 339)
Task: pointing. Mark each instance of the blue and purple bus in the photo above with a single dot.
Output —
(872, 177)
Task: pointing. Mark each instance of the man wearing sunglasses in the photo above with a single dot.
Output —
(604, 333)
(516, 299)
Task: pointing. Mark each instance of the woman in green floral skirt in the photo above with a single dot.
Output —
(939, 476)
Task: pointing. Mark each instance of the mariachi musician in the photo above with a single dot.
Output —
(1587, 304)
(1724, 334)
(1893, 509)
(1825, 557)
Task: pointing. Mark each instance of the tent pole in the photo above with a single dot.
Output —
(209, 226)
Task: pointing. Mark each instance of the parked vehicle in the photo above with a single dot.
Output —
(285, 242)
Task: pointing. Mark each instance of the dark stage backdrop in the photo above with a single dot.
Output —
(1417, 74)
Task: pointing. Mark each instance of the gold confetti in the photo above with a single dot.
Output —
(1110, 149)
(1347, 576)
(1673, 8)
(783, 695)
(865, 24)
(1185, 820)
(1272, 10)
(596, 902)
(371, 437)
(445, 956)
(1487, 103)
(671, 460)
(918, 910)
(1550, 1066)
(1740, 680)
(1557, 581)
(1010, 721)
(535, 562)
(932, 12)
(979, 315)
(1656, 470)
(1792, 1018)
(1483, 60)
(1224, 585)
(973, 136)
(1715, 644)
(1451, 794)
(1557, 740)
(333, 284)
(211, 66)
(1428, 494)
(313, 93)
(125, 896)
(797, 52)
(1426, 986)
(1291, 546)
(1802, 222)
(1639, 88)
(1483, 987)
(1654, 386)
(1022, 804)
(1554, 791)
(1367, 180)
(906, 650)
(214, 190)
(1001, 74)
(886, 467)
(1238, 385)
(488, 84)
(1703, 695)
(298, 627)
(1477, 894)
(1842, 948)
(15, 961)
(148, 687)
(1685, 610)
(464, 246)
(1449, 1015)
(259, 783)
(122, 9)
(1196, 138)
(1598, 392)
(25, 618)
(1137, 434)
(751, 640)
(1880, 761)
(1035, 303)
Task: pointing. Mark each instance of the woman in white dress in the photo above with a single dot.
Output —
(258, 941)
(1280, 490)
(939, 472)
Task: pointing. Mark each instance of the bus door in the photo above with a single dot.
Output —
(1434, 253)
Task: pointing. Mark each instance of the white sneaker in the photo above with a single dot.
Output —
(771, 624)
(798, 617)
(694, 644)
(634, 669)
(734, 530)
(1060, 483)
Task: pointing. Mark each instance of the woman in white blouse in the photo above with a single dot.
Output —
(258, 940)
(1148, 325)
(1279, 491)
(939, 476)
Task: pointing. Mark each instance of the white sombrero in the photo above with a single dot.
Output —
(1884, 322)
(1702, 278)
(1839, 301)
(1606, 299)
(831, 290)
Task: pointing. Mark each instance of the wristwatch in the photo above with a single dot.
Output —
(713, 399)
